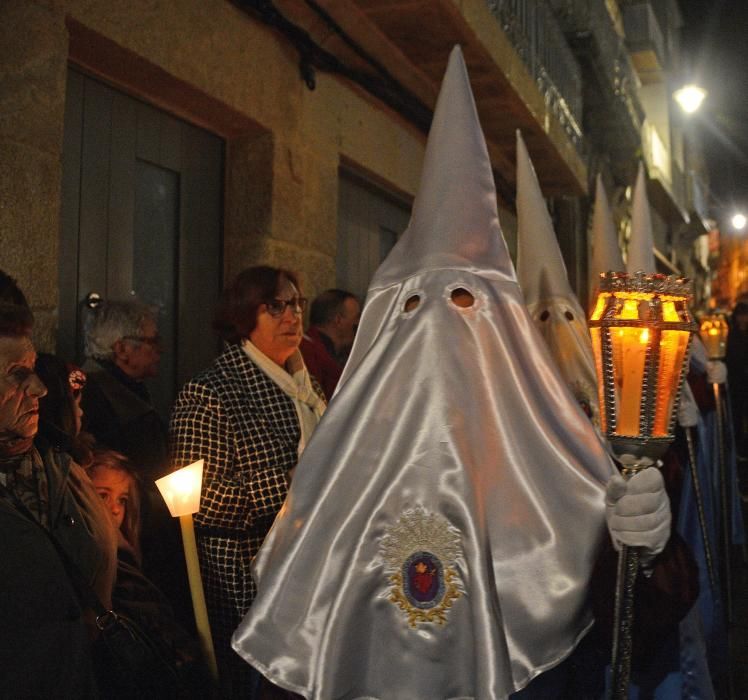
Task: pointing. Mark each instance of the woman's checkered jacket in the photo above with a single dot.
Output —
(246, 429)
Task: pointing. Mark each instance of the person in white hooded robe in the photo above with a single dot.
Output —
(440, 533)
(560, 320)
(554, 307)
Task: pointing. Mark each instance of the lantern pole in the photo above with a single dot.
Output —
(181, 491)
(713, 331)
(724, 498)
(641, 331)
(699, 497)
(623, 610)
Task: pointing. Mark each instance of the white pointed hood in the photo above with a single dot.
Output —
(554, 307)
(454, 223)
(443, 522)
(641, 243)
(606, 253)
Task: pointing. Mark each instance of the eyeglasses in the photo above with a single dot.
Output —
(154, 341)
(277, 307)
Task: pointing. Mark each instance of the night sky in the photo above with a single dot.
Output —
(715, 52)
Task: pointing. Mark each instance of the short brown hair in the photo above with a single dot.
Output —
(236, 315)
(327, 304)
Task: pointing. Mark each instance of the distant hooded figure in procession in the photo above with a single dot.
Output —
(670, 585)
(550, 300)
(441, 530)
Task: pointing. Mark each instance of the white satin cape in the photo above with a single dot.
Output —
(431, 418)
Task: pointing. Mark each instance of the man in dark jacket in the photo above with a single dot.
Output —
(325, 346)
(123, 350)
(44, 643)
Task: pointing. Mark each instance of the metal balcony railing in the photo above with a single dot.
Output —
(540, 43)
(642, 29)
(589, 21)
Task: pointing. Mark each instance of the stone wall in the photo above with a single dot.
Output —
(209, 63)
(33, 55)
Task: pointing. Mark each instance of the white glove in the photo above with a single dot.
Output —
(688, 409)
(638, 512)
(716, 372)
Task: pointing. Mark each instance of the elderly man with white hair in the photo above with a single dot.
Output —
(123, 350)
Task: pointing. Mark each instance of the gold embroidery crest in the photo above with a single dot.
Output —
(420, 552)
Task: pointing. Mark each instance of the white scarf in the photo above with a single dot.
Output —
(309, 405)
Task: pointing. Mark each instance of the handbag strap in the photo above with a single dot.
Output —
(86, 594)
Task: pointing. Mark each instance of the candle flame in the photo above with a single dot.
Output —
(181, 489)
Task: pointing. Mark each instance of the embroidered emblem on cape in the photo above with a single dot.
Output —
(420, 551)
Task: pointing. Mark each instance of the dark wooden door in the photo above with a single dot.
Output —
(141, 217)
(370, 221)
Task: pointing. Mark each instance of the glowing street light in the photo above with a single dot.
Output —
(738, 221)
(689, 97)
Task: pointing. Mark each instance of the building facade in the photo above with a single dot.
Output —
(155, 149)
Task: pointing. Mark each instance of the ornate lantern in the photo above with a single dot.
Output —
(641, 331)
(713, 332)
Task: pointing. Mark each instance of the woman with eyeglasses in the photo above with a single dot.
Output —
(249, 416)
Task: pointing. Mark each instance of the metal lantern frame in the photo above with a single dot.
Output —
(652, 290)
(714, 329)
(649, 306)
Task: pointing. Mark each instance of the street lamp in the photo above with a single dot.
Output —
(689, 97)
(738, 221)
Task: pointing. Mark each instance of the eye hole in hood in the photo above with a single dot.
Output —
(411, 303)
(462, 297)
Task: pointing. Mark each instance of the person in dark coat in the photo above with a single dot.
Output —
(333, 320)
(134, 594)
(249, 416)
(45, 645)
(737, 375)
(123, 349)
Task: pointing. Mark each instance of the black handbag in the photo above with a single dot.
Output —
(130, 663)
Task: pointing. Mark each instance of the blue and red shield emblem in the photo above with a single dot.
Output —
(423, 580)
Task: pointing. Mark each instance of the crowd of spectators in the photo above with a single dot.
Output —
(81, 447)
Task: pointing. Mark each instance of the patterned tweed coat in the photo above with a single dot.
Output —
(246, 429)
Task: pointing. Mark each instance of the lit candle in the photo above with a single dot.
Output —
(181, 491)
(629, 358)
